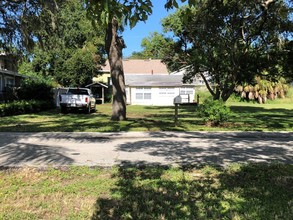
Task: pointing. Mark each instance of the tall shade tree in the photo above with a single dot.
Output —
(19, 18)
(56, 37)
(113, 14)
(71, 53)
(231, 40)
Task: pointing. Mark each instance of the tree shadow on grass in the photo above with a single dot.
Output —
(55, 122)
(151, 124)
(267, 118)
(143, 194)
(267, 190)
(183, 112)
(253, 191)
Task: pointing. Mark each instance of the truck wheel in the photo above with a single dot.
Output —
(88, 109)
(63, 110)
(95, 108)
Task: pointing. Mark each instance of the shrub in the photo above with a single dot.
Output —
(214, 112)
(36, 89)
(24, 107)
(262, 89)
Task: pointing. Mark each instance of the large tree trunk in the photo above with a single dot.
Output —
(207, 84)
(114, 47)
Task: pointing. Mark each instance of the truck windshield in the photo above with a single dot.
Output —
(77, 92)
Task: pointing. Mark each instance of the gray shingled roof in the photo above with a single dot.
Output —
(155, 80)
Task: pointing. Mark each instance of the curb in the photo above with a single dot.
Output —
(168, 134)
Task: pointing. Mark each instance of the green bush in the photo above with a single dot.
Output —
(214, 112)
(36, 89)
(24, 107)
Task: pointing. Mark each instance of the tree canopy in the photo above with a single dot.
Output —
(20, 19)
(68, 49)
(230, 40)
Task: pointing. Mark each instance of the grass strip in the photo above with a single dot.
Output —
(240, 191)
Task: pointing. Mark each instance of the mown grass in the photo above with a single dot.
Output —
(273, 116)
(248, 191)
(251, 191)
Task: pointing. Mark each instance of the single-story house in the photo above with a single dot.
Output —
(157, 90)
(148, 82)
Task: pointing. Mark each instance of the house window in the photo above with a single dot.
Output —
(143, 93)
(9, 82)
(186, 91)
(167, 91)
(147, 95)
(139, 95)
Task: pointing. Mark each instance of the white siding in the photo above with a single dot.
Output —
(128, 99)
(159, 96)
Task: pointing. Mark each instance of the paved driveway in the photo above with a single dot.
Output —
(164, 148)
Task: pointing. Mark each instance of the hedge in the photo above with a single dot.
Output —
(24, 107)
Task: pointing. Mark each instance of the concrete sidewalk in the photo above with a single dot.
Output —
(162, 148)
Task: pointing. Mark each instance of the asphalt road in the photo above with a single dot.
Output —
(154, 148)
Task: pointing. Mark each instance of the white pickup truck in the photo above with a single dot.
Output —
(77, 98)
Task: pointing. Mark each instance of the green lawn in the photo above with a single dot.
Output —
(248, 191)
(253, 191)
(274, 116)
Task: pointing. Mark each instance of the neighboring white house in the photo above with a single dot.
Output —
(157, 90)
(148, 82)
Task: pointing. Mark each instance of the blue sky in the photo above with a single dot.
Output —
(134, 36)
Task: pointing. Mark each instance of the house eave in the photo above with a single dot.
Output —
(96, 84)
(159, 85)
(11, 73)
